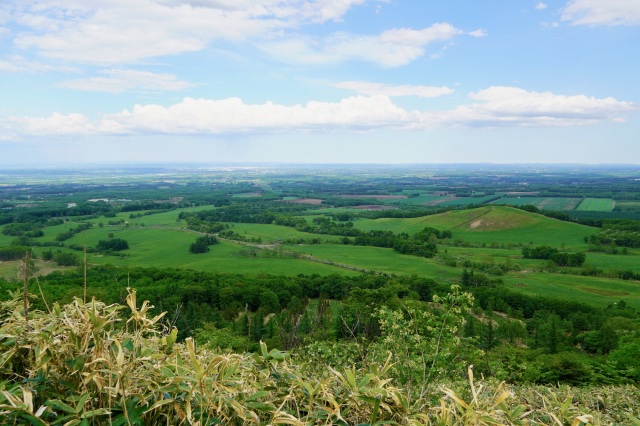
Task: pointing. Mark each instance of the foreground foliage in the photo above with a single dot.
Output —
(83, 363)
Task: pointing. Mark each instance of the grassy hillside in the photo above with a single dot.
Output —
(491, 224)
(595, 291)
(380, 260)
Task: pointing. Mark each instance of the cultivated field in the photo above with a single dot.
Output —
(543, 203)
(596, 205)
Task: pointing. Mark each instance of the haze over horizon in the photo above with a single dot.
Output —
(333, 81)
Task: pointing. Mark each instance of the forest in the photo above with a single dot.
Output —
(405, 295)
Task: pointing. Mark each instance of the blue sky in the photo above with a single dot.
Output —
(332, 81)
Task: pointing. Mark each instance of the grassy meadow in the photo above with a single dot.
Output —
(378, 259)
(591, 290)
(494, 224)
(489, 235)
(152, 247)
(596, 205)
(274, 233)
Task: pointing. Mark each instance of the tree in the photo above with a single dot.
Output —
(202, 244)
(66, 259)
(114, 244)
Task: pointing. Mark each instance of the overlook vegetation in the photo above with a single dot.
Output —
(300, 307)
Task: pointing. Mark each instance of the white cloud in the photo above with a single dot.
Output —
(11, 67)
(392, 48)
(122, 80)
(127, 31)
(480, 32)
(55, 125)
(289, 10)
(501, 106)
(233, 115)
(377, 89)
(203, 116)
(602, 12)
(19, 64)
(492, 107)
(541, 6)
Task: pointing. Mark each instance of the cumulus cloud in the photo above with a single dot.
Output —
(480, 32)
(492, 107)
(501, 106)
(122, 80)
(602, 12)
(127, 31)
(392, 48)
(204, 116)
(56, 125)
(541, 6)
(377, 89)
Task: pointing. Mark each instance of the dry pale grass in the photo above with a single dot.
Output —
(90, 364)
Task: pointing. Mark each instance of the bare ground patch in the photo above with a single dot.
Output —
(248, 195)
(377, 197)
(475, 224)
(604, 292)
(571, 204)
(374, 207)
(313, 201)
(436, 202)
(522, 193)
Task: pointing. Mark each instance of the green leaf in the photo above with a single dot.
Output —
(33, 420)
(81, 402)
(260, 406)
(94, 413)
(59, 405)
(257, 395)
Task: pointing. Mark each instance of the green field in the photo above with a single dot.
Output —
(380, 260)
(596, 205)
(592, 290)
(421, 199)
(442, 201)
(488, 225)
(464, 201)
(151, 247)
(487, 255)
(274, 233)
(543, 203)
(608, 262)
(494, 235)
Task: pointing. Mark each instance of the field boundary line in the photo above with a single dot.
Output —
(473, 218)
